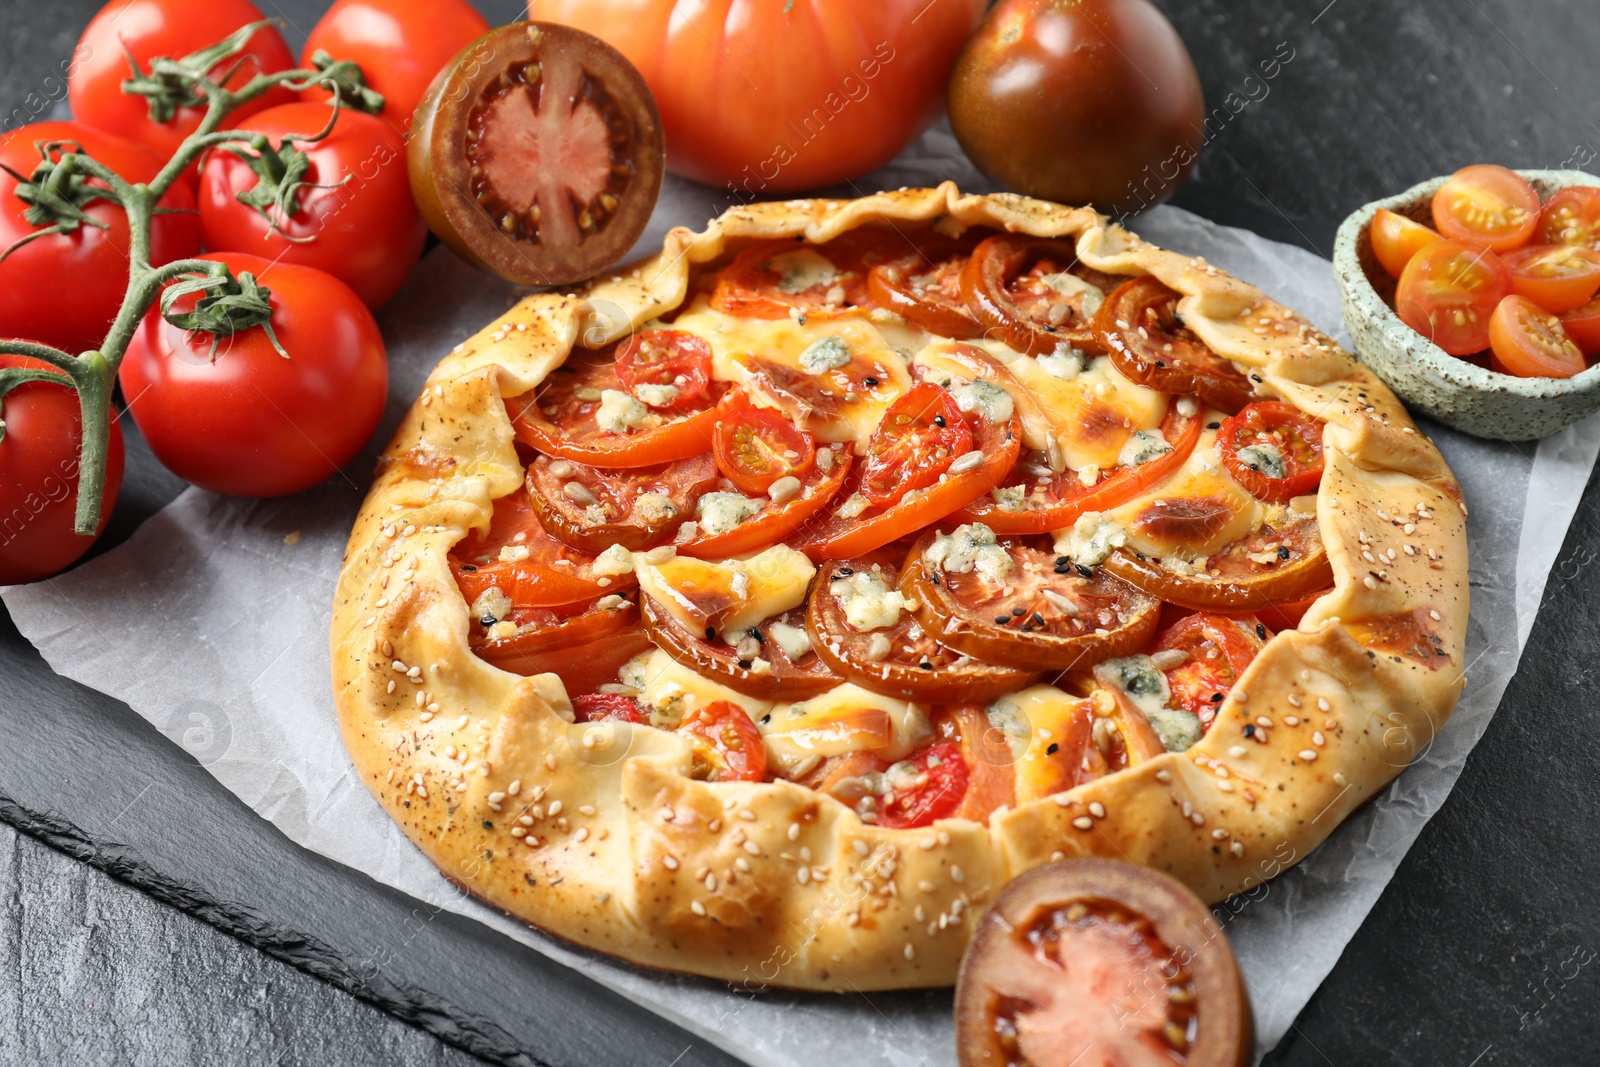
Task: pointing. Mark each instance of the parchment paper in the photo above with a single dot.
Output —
(212, 620)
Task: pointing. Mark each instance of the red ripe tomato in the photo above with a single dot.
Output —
(249, 422)
(757, 446)
(146, 29)
(1572, 217)
(727, 745)
(1447, 293)
(361, 226)
(1395, 239)
(673, 358)
(606, 707)
(39, 478)
(399, 44)
(766, 96)
(1487, 205)
(65, 289)
(1582, 324)
(920, 436)
(1274, 450)
(933, 785)
(1556, 277)
(1529, 342)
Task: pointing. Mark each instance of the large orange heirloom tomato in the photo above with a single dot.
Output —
(766, 96)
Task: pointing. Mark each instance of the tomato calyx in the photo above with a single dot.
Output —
(56, 193)
(228, 304)
(171, 84)
(280, 176)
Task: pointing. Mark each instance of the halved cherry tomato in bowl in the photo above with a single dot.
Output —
(728, 747)
(924, 288)
(1572, 217)
(1582, 325)
(593, 508)
(919, 438)
(1556, 277)
(1395, 239)
(1274, 450)
(782, 678)
(1486, 205)
(1033, 294)
(1447, 293)
(754, 447)
(924, 788)
(1216, 651)
(1139, 327)
(663, 360)
(1529, 342)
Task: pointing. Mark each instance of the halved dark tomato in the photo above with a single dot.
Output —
(854, 527)
(921, 434)
(771, 279)
(902, 660)
(593, 508)
(1274, 450)
(1447, 293)
(776, 521)
(1139, 327)
(1572, 217)
(585, 644)
(1056, 502)
(924, 788)
(562, 417)
(1270, 566)
(755, 447)
(1489, 206)
(1033, 294)
(924, 288)
(665, 359)
(728, 747)
(1582, 325)
(1529, 342)
(739, 668)
(1215, 651)
(992, 779)
(1042, 612)
(1102, 957)
(606, 707)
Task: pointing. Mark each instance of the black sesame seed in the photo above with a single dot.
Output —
(1283, 551)
(938, 420)
(1084, 572)
(925, 665)
(1159, 363)
(1261, 631)
(1249, 729)
(847, 571)
(1216, 698)
(1053, 749)
(869, 381)
(487, 825)
(934, 578)
(488, 621)
(1062, 561)
(755, 633)
(766, 719)
(744, 665)
(1017, 612)
(1002, 619)
(1213, 425)
(711, 633)
(1038, 620)
(469, 568)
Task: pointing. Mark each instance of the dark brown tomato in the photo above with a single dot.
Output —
(1045, 612)
(1139, 328)
(537, 154)
(902, 660)
(1273, 565)
(1106, 957)
(1094, 102)
(592, 508)
(736, 666)
(1027, 293)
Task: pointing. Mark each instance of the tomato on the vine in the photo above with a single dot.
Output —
(350, 213)
(142, 30)
(39, 478)
(64, 289)
(247, 421)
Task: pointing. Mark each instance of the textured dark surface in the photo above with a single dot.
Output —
(1482, 950)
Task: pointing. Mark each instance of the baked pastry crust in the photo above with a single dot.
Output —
(597, 834)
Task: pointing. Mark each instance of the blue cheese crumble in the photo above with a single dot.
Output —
(971, 547)
(828, 353)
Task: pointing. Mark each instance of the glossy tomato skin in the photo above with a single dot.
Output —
(39, 479)
(251, 423)
(65, 289)
(1446, 279)
(146, 29)
(1054, 100)
(363, 229)
(400, 46)
(765, 97)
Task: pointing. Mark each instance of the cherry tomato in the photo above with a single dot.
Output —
(1556, 277)
(1032, 294)
(782, 678)
(1216, 650)
(39, 478)
(142, 30)
(745, 108)
(250, 422)
(65, 289)
(772, 279)
(1395, 239)
(664, 358)
(1101, 955)
(1274, 450)
(924, 288)
(537, 154)
(934, 784)
(1282, 561)
(1582, 325)
(585, 644)
(400, 45)
(593, 508)
(1529, 342)
(353, 216)
(1488, 206)
(1043, 612)
(728, 747)
(1447, 293)
(757, 446)
(921, 434)
(1572, 217)
(777, 519)
(1139, 327)
(606, 707)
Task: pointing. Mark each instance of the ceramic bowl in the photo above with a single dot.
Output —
(1470, 398)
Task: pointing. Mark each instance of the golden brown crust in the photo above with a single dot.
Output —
(596, 834)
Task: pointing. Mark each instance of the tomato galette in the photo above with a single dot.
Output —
(762, 610)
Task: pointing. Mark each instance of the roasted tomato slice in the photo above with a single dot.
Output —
(924, 288)
(1529, 342)
(524, 562)
(1572, 217)
(756, 447)
(1104, 957)
(593, 508)
(773, 279)
(920, 436)
(606, 707)
(1202, 657)
(727, 745)
(862, 628)
(673, 367)
(854, 527)
(1447, 293)
(1411, 634)
(1488, 206)
(758, 666)
(1274, 450)
(924, 788)
(1138, 326)
(1556, 277)
(1018, 604)
(585, 644)
(1042, 500)
(1582, 325)
(1033, 294)
(780, 515)
(1273, 565)
(1395, 239)
(1287, 614)
(582, 413)
(992, 781)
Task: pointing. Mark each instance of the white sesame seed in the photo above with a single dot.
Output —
(525, 820)
(497, 798)
(582, 834)
(555, 808)
(919, 914)
(697, 907)
(1291, 720)
(390, 687)
(860, 847)
(1236, 751)
(926, 886)
(519, 831)
(747, 815)
(1083, 822)
(794, 831)
(1307, 754)
(514, 788)
(956, 874)
(752, 848)
(714, 825)
(1097, 809)
(1163, 776)
(1241, 696)
(1263, 721)
(1226, 787)
(803, 875)
(1197, 819)
(550, 760)
(1317, 739)
(1322, 704)
(1219, 834)
(711, 882)
(1237, 848)
(1062, 800)
(911, 951)
(670, 862)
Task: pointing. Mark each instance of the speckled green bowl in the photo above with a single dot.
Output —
(1470, 398)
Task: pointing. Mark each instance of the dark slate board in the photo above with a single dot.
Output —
(1480, 952)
